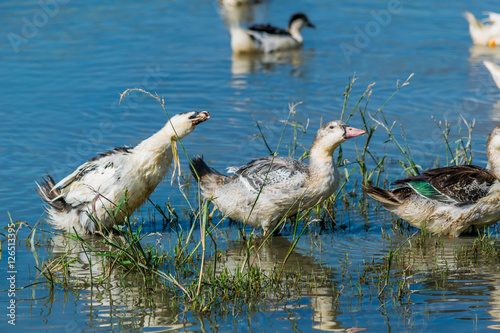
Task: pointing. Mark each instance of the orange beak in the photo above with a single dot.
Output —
(492, 43)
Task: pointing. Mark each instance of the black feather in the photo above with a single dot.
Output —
(117, 150)
(48, 195)
(200, 168)
(267, 28)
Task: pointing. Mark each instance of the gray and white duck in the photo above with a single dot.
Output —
(267, 38)
(450, 200)
(98, 186)
(285, 184)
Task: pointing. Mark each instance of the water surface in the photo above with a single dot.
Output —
(60, 92)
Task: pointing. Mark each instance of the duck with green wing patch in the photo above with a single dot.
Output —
(450, 200)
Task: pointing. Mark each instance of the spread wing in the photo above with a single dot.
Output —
(267, 171)
(459, 185)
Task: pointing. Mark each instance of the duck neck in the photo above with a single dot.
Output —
(294, 30)
(494, 159)
(321, 163)
(155, 148)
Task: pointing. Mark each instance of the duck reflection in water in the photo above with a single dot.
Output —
(316, 279)
(111, 298)
(265, 62)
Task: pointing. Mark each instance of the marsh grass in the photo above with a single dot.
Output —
(194, 269)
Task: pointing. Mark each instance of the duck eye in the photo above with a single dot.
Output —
(331, 126)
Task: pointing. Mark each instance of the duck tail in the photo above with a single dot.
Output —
(52, 196)
(386, 197)
(202, 172)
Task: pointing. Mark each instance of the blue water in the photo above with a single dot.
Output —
(63, 72)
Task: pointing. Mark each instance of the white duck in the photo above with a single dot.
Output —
(98, 186)
(266, 38)
(286, 185)
(450, 200)
(494, 71)
(484, 34)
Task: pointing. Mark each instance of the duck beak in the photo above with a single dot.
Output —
(492, 43)
(351, 132)
(199, 117)
(310, 25)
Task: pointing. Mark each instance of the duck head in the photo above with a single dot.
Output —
(332, 135)
(297, 22)
(185, 123)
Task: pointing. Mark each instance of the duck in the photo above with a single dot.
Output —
(268, 189)
(450, 201)
(494, 71)
(484, 34)
(266, 38)
(96, 189)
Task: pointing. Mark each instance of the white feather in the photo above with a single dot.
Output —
(484, 34)
(494, 70)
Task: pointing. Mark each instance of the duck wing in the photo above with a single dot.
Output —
(267, 28)
(101, 164)
(460, 185)
(494, 18)
(266, 171)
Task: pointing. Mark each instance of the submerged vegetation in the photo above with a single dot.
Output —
(200, 267)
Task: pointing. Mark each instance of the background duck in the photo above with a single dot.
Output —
(97, 186)
(450, 200)
(484, 34)
(494, 71)
(267, 38)
(287, 184)
(239, 2)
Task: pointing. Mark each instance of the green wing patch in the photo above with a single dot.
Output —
(427, 190)
(424, 188)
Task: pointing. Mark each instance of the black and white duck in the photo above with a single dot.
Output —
(267, 38)
(98, 186)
